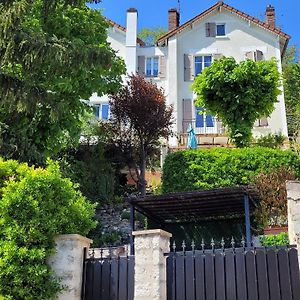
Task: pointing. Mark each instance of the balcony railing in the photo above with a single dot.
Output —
(215, 126)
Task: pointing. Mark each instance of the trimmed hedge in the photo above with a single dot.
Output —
(220, 167)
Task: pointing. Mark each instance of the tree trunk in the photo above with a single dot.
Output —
(142, 179)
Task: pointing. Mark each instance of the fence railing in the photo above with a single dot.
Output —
(108, 275)
(243, 273)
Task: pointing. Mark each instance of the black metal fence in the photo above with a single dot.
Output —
(108, 277)
(243, 273)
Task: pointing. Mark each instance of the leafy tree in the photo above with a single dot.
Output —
(151, 35)
(35, 205)
(140, 117)
(291, 83)
(238, 93)
(53, 53)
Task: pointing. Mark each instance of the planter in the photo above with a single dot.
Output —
(275, 230)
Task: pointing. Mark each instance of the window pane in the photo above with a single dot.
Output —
(199, 118)
(198, 68)
(155, 66)
(148, 66)
(209, 121)
(97, 111)
(221, 30)
(207, 59)
(105, 109)
(198, 59)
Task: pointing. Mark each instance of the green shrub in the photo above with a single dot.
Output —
(281, 239)
(271, 140)
(220, 167)
(35, 205)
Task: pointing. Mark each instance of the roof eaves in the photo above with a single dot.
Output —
(114, 24)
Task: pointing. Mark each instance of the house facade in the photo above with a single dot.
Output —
(181, 54)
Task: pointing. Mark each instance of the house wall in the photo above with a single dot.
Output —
(241, 36)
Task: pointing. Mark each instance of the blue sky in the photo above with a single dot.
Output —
(154, 12)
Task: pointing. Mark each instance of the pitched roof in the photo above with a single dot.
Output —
(231, 9)
(114, 24)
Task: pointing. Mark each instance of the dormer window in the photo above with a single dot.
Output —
(220, 30)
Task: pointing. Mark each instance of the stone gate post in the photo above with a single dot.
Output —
(67, 264)
(293, 196)
(150, 264)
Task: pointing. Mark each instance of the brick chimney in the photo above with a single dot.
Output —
(173, 19)
(270, 15)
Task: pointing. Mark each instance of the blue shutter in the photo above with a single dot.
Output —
(105, 109)
(199, 117)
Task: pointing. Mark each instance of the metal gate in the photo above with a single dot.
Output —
(243, 273)
(108, 277)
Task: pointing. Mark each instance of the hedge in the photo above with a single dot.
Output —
(221, 167)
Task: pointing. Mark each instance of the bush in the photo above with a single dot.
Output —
(271, 140)
(220, 167)
(281, 239)
(36, 204)
(272, 209)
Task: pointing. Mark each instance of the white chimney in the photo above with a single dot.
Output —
(131, 41)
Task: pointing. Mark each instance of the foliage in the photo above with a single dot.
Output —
(238, 94)
(219, 167)
(270, 140)
(52, 54)
(291, 80)
(36, 205)
(151, 35)
(281, 239)
(140, 117)
(87, 165)
(271, 188)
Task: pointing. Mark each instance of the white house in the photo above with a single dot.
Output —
(186, 49)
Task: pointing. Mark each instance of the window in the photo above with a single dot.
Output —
(102, 111)
(152, 66)
(214, 29)
(203, 120)
(202, 62)
(220, 30)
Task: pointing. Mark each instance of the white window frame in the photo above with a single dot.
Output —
(152, 66)
(202, 61)
(100, 105)
(221, 36)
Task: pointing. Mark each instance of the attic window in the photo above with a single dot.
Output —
(215, 30)
(220, 30)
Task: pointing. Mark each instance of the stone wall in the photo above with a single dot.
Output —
(67, 264)
(293, 195)
(115, 226)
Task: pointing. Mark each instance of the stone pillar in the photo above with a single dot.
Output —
(150, 264)
(67, 264)
(293, 196)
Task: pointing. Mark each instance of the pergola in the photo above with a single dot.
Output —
(188, 207)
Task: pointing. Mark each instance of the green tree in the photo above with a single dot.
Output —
(151, 35)
(53, 53)
(35, 205)
(291, 83)
(238, 94)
